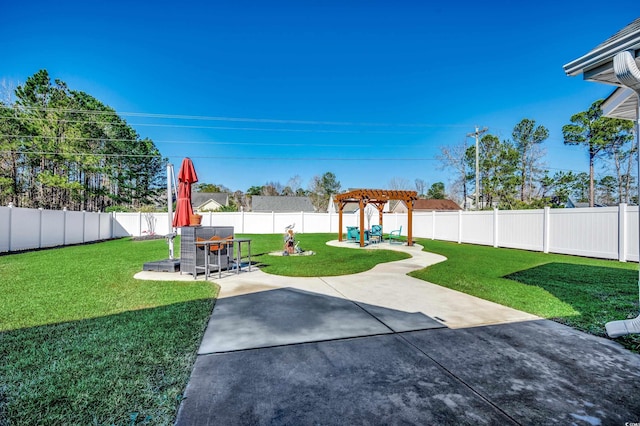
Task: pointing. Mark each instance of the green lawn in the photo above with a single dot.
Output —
(581, 292)
(327, 260)
(83, 342)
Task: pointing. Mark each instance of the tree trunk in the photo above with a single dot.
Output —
(627, 184)
(523, 174)
(619, 177)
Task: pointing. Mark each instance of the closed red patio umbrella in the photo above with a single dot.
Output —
(186, 177)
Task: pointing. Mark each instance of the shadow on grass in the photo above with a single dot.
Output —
(599, 293)
(120, 369)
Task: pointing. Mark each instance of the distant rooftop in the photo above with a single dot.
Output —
(199, 198)
(435, 205)
(264, 203)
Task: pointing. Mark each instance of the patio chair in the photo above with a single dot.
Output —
(353, 233)
(394, 236)
(376, 231)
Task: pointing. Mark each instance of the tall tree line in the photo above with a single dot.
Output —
(62, 148)
(512, 174)
(604, 137)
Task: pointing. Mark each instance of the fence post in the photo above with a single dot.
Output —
(459, 226)
(495, 227)
(622, 232)
(433, 225)
(64, 226)
(84, 224)
(40, 227)
(273, 222)
(10, 225)
(242, 219)
(114, 219)
(546, 232)
(302, 221)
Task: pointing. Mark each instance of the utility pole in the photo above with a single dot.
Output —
(477, 134)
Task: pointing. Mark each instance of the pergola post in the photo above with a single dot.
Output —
(362, 206)
(409, 222)
(340, 207)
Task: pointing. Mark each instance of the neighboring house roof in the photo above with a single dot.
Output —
(348, 208)
(351, 207)
(209, 200)
(278, 203)
(427, 205)
(570, 204)
(435, 205)
(397, 206)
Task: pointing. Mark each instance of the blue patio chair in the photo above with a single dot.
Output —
(394, 236)
(353, 233)
(376, 231)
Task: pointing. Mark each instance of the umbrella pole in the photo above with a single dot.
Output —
(170, 209)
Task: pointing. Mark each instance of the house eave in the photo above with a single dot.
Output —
(600, 59)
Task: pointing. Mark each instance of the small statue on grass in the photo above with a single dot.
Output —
(291, 245)
(289, 242)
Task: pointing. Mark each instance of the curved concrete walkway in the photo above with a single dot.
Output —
(386, 285)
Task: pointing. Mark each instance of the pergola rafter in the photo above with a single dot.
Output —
(377, 197)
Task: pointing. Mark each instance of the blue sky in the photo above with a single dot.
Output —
(368, 90)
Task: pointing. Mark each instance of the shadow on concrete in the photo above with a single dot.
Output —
(541, 372)
(533, 372)
(291, 316)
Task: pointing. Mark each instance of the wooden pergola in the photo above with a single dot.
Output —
(377, 197)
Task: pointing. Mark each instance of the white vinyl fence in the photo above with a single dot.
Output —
(609, 233)
(23, 229)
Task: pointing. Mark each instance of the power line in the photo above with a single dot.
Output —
(223, 157)
(236, 119)
(81, 154)
(264, 129)
(183, 142)
(252, 158)
(253, 129)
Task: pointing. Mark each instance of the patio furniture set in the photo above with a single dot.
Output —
(373, 235)
(212, 249)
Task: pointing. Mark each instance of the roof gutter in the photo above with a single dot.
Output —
(602, 54)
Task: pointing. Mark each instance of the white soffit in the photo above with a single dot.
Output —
(622, 103)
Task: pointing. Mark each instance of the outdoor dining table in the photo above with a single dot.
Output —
(238, 243)
(218, 246)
